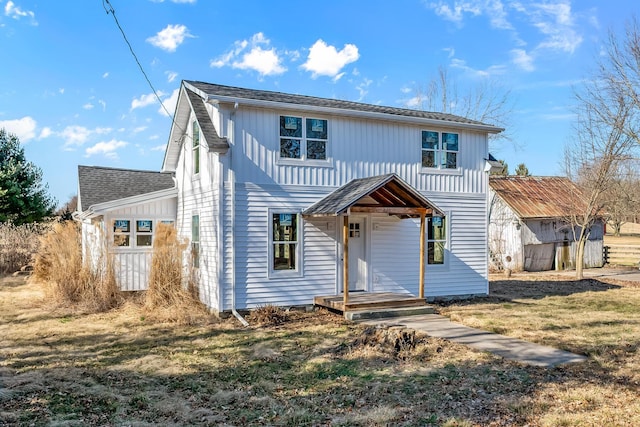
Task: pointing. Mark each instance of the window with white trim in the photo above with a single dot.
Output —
(436, 239)
(303, 138)
(195, 241)
(284, 243)
(144, 232)
(439, 150)
(122, 232)
(138, 233)
(196, 147)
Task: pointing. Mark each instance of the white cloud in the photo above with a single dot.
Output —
(522, 59)
(170, 103)
(170, 38)
(78, 135)
(326, 60)
(171, 76)
(106, 148)
(159, 147)
(493, 70)
(88, 106)
(250, 55)
(46, 132)
(456, 12)
(24, 128)
(556, 22)
(145, 100)
(15, 12)
(103, 104)
(105, 75)
(414, 102)
(363, 88)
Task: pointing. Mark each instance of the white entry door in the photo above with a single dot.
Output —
(357, 254)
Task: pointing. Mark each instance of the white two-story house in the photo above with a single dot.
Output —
(285, 197)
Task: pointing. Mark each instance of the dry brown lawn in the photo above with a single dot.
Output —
(58, 367)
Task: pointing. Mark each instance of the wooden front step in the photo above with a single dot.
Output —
(368, 300)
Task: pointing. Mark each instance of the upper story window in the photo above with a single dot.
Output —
(303, 138)
(439, 150)
(196, 147)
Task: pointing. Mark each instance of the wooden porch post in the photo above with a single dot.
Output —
(345, 260)
(422, 254)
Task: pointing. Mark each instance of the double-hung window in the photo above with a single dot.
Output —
(129, 233)
(303, 138)
(195, 147)
(284, 242)
(439, 150)
(195, 241)
(436, 239)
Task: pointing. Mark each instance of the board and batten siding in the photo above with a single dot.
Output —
(132, 265)
(357, 148)
(199, 194)
(247, 247)
(395, 246)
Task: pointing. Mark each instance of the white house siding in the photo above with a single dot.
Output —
(200, 195)
(395, 246)
(247, 247)
(357, 149)
(132, 265)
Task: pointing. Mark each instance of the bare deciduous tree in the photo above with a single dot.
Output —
(623, 198)
(606, 132)
(488, 102)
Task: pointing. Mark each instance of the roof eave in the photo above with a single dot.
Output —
(347, 112)
(102, 208)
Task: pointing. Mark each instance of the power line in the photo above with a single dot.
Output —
(106, 4)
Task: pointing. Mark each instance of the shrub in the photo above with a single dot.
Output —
(19, 244)
(70, 280)
(172, 294)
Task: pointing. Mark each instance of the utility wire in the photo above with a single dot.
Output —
(106, 4)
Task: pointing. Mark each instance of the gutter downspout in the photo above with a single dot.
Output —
(232, 207)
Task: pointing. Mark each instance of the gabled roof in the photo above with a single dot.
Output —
(383, 191)
(98, 185)
(537, 196)
(209, 132)
(220, 93)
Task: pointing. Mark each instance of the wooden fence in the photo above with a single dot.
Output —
(622, 254)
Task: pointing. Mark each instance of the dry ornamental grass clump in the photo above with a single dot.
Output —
(19, 244)
(172, 294)
(71, 281)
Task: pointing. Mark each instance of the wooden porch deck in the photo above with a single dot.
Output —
(369, 301)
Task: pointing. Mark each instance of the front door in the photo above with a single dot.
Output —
(357, 255)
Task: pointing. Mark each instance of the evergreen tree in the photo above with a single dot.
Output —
(522, 170)
(23, 197)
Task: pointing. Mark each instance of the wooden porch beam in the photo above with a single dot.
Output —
(392, 210)
(422, 255)
(345, 260)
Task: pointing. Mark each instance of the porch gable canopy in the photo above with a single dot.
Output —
(378, 194)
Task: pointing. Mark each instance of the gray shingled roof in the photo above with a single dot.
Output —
(98, 184)
(264, 95)
(214, 141)
(340, 200)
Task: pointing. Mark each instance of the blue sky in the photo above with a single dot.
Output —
(72, 91)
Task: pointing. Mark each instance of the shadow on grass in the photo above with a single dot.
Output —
(195, 375)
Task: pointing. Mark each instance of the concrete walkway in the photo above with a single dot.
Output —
(510, 348)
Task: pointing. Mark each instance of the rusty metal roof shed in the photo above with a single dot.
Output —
(537, 196)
